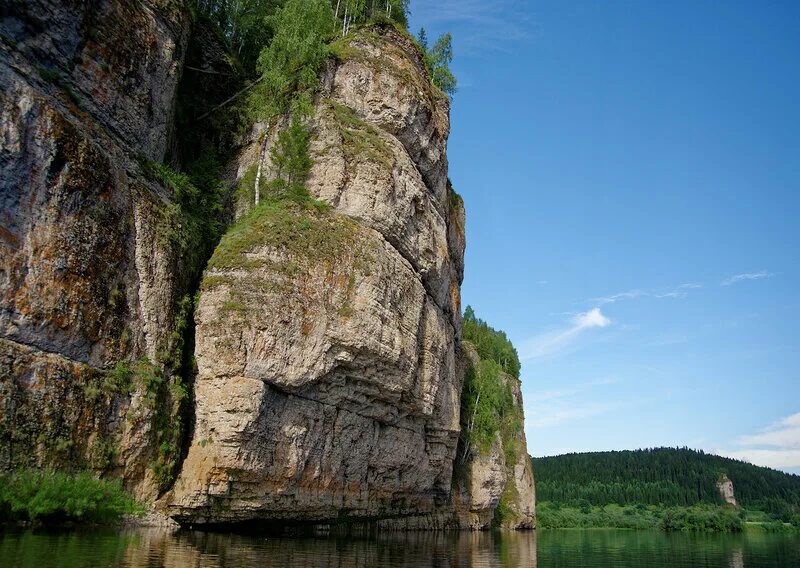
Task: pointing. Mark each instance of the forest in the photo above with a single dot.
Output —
(664, 482)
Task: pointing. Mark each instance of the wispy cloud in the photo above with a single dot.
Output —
(544, 409)
(546, 418)
(680, 291)
(552, 342)
(760, 275)
(484, 25)
(777, 445)
(776, 459)
(783, 434)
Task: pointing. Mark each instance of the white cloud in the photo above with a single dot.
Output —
(592, 318)
(630, 294)
(552, 342)
(746, 276)
(784, 434)
(777, 445)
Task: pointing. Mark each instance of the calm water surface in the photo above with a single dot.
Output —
(567, 549)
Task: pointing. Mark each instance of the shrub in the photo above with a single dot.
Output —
(55, 497)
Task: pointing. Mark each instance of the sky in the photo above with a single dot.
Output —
(631, 173)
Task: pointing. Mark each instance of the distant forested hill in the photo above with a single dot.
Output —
(662, 476)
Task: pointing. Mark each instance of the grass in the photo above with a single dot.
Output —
(360, 140)
(301, 230)
(51, 497)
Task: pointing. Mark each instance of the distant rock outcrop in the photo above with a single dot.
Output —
(725, 487)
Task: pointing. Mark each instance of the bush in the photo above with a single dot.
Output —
(701, 518)
(56, 497)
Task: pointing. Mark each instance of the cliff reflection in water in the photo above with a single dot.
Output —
(151, 547)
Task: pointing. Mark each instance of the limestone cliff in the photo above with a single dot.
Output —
(327, 385)
(327, 339)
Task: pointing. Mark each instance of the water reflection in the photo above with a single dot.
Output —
(737, 558)
(580, 548)
(151, 547)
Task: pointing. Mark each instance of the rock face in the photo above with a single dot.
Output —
(85, 278)
(496, 486)
(327, 386)
(725, 487)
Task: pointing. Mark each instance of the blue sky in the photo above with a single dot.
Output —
(631, 172)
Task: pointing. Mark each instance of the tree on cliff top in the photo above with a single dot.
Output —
(438, 59)
(490, 343)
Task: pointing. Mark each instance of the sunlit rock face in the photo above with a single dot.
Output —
(329, 383)
(327, 386)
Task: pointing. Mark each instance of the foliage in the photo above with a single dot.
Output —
(551, 515)
(438, 59)
(359, 12)
(54, 497)
(291, 161)
(709, 518)
(250, 25)
(165, 396)
(672, 477)
(245, 24)
(193, 219)
(490, 343)
(486, 399)
(245, 189)
(288, 67)
(701, 518)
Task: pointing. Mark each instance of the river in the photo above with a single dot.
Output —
(542, 549)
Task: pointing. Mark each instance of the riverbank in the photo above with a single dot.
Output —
(702, 518)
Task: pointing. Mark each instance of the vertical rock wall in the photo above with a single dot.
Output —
(495, 487)
(325, 341)
(88, 274)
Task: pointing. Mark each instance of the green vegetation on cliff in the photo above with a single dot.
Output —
(57, 497)
(487, 400)
(490, 343)
(668, 487)
(249, 25)
(438, 59)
